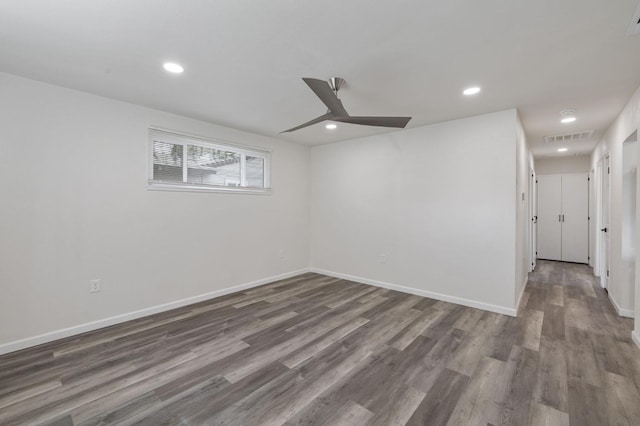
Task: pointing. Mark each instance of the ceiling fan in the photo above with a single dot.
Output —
(328, 94)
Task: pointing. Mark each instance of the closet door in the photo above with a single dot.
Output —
(549, 216)
(575, 211)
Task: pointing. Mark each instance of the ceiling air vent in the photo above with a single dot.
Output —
(634, 27)
(569, 137)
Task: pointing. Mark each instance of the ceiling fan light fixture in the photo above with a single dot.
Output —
(470, 91)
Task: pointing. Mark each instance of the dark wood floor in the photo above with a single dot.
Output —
(317, 350)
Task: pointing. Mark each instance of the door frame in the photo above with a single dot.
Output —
(604, 214)
(596, 217)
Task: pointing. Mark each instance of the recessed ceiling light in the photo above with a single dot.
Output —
(562, 149)
(568, 116)
(471, 91)
(330, 126)
(173, 67)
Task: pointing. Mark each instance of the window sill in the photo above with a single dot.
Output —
(163, 186)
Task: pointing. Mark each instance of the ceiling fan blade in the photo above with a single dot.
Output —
(399, 122)
(327, 116)
(322, 90)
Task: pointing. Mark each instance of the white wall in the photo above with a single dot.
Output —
(611, 144)
(559, 165)
(436, 201)
(73, 174)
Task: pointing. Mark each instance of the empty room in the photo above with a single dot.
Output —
(320, 213)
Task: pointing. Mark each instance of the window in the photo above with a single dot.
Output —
(182, 162)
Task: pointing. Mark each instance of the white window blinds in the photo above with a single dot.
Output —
(192, 163)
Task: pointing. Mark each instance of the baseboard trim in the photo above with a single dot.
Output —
(106, 322)
(410, 290)
(636, 338)
(622, 312)
(524, 287)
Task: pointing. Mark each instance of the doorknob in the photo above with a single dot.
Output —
(604, 229)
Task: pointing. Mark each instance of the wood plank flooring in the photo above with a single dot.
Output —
(318, 350)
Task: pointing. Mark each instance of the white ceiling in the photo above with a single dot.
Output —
(244, 59)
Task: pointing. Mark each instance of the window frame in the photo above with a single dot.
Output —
(157, 134)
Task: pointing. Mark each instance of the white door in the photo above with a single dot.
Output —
(592, 210)
(549, 217)
(533, 215)
(604, 225)
(575, 222)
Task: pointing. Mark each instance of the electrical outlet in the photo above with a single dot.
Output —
(94, 286)
(281, 254)
(383, 258)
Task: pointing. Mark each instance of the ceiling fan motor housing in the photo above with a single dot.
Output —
(336, 83)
